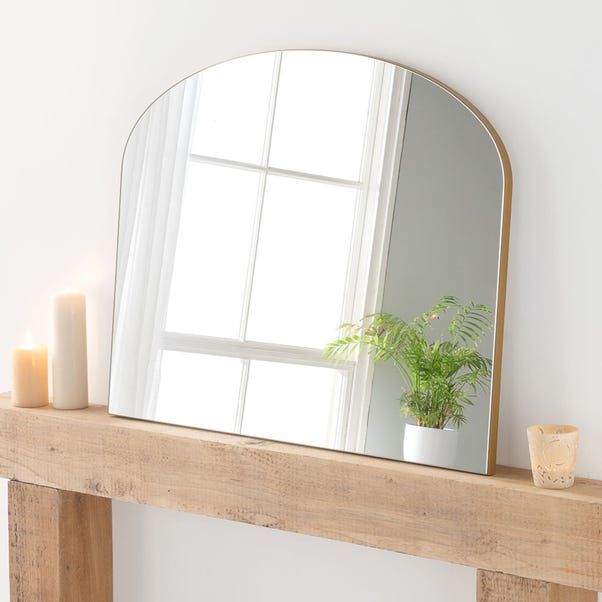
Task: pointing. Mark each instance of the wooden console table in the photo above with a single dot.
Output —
(65, 467)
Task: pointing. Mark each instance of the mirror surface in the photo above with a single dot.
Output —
(270, 199)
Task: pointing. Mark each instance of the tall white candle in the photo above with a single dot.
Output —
(30, 376)
(70, 357)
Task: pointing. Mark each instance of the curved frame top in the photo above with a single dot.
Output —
(504, 228)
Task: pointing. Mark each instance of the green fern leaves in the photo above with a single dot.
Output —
(441, 377)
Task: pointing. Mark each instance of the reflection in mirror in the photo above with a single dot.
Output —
(267, 201)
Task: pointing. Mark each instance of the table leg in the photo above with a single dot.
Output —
(499, 587)
(60, 545)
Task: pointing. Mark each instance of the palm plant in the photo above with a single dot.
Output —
(441, 375)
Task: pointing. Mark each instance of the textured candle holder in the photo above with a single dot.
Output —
(553, 450)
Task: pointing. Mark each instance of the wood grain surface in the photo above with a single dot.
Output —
(60, 545)
(498, 587)
(500, 523)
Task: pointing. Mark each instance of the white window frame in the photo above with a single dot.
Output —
(363, 290)
(375, 245)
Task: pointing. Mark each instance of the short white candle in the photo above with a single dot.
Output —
(30, 376)
(70, 357)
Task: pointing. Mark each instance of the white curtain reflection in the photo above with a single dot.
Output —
(153, 177)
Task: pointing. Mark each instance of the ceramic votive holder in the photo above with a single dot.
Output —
(553, 450)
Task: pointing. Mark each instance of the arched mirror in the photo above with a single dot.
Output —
(312, 249)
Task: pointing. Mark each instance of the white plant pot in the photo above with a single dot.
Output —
(437, 447)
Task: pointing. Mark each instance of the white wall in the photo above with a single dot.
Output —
(76, 75)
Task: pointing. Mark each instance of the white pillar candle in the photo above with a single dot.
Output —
(70, 357)
(30, 376)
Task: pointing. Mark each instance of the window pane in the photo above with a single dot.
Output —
(321, 113)
(300, 274)
(292, 403)
(212, 252)
(199, 390)
(233, 106)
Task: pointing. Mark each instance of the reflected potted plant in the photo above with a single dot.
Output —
(441, 375)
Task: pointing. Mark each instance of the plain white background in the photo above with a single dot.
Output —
(75, 77)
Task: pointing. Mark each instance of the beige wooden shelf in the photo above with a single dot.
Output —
(497, 524)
